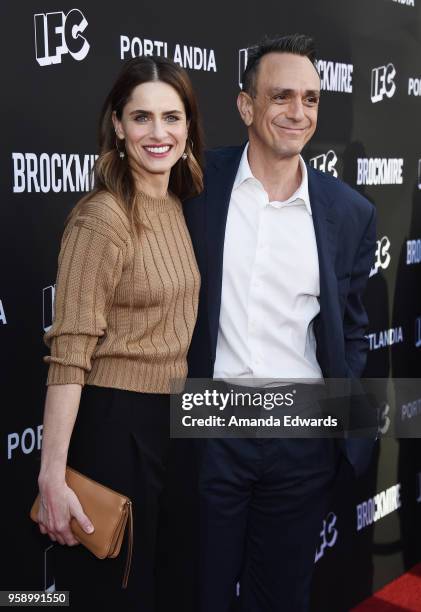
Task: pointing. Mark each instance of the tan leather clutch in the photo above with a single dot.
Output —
(109, 513)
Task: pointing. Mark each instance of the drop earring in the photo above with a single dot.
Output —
(187, 150)
(121, 153)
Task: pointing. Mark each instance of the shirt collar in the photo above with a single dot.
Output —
(244, 173)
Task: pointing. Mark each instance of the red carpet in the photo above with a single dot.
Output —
(401, 595)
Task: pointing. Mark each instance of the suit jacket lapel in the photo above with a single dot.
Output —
(324, 221)
(220, 179)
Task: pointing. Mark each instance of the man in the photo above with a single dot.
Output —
(284, 253)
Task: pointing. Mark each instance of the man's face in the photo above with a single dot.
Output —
(282, 115)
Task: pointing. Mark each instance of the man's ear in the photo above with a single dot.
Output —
(245, 107)
(117, 126)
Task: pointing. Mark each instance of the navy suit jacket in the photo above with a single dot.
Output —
(345, 229)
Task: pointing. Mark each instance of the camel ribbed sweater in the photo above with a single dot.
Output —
(125, 305)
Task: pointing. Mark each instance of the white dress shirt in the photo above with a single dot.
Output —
(270, 285)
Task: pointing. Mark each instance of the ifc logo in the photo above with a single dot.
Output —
(328, 535)
(382, 256)
(382, 82)
(384, 418)
(57, 34)
(326, 162)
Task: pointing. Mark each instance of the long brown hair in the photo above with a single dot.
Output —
(112, 173)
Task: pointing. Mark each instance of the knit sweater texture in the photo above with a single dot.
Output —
(125, 303)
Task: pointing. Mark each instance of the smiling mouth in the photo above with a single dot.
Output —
(292, 129)
(158, 150)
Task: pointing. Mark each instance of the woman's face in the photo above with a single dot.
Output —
(154, 127)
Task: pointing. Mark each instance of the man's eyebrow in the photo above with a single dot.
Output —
(286, 91)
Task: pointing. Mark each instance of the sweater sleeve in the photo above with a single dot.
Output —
(90, 266)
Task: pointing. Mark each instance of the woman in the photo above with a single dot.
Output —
(125, 309)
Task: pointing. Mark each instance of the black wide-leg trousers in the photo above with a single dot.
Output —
(120, 439)
(262, 502)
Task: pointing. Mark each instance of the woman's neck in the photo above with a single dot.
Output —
(154, 185)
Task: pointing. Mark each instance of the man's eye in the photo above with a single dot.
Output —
(280, 98)
(312, 100)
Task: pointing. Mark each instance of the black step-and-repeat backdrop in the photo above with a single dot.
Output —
(58, 61)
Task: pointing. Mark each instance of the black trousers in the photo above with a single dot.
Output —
(262, 502)
(120, 439)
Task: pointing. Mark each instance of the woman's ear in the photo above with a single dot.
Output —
(117, 126)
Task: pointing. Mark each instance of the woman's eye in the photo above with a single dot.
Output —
(172, 118)
(141, 118)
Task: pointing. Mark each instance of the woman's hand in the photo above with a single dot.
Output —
(59, 503)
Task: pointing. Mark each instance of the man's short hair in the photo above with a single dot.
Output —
(297, 44)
